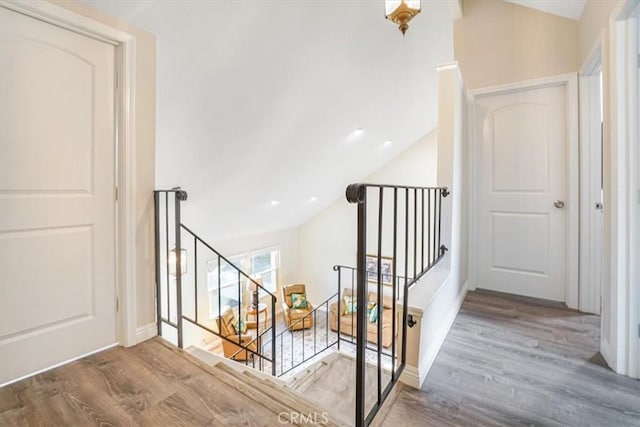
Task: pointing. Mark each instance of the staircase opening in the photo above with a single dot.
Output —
(366, 319)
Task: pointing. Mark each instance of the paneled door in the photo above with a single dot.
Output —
(522, 192)
(57, 195)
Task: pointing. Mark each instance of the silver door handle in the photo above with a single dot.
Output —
(558, 204)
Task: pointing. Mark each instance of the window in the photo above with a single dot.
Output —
(265, 264)
(228, 283)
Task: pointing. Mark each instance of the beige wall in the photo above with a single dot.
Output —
(498, 42)
(144, 183)
(594, 19)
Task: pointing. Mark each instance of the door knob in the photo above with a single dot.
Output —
(558, 204)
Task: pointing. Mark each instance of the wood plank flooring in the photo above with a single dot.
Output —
(519, 361)
(507, 361)
(150, 384)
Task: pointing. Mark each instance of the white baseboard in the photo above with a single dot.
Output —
(440, 333)
(73, 359)
(146, 332)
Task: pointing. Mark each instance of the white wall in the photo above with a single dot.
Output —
(329, 238)
(441, 292)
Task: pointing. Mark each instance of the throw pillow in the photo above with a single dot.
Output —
(373, 314)
(350, 304)
(298, 301)
(240, 327)
(370, 306)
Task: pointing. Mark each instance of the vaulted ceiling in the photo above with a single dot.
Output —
(571, 9)
(257, 101)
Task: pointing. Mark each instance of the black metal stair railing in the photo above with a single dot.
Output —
(413, 239)
(177, 303)
(303, 344)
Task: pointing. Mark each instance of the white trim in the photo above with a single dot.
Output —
(591, 221)
(522, 85)
(573, 205)
(570, 82)
(15, 380)
(472, 150)
(455, 7)
(415, 376)
(621, 192)
(125, 101)
(593, 63)
(146, 332)
(64, 18)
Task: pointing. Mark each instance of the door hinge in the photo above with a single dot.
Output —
(116, 194)
(117, 304)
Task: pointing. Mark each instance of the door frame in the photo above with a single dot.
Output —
(570, 82)
(124, 43)
(591, 134)
(620, 342)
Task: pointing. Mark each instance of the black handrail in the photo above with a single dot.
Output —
(422, 261)
(164, 261)
(223, 258)
(241, 274)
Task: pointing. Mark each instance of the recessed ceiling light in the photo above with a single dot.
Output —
(388, 142)
(313, 199)
(358, 132)
(274, 202)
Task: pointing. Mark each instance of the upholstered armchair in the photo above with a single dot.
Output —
(294, 310)
(225, 323)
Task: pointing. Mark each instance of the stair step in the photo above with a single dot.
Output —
(332, 384)
(267, 394)
(295, 402)
(303, 380)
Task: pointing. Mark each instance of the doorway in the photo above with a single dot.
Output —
(525, 150)
(591, 184)
(57, 195)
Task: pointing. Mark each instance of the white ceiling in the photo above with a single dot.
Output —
(256, 101)
(571, 9)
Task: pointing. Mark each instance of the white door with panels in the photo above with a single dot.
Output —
(522, 222)
(57, 195)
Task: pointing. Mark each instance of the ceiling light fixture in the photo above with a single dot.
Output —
(401, 12)
(274, 202)
(313, 199)
(388, 143)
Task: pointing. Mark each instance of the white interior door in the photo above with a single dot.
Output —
(522, 192)
(57, 206)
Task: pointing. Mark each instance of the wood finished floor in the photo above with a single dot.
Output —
(507, 361)
(152, 385)
(519, 361)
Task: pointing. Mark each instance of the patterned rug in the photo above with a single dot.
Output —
(297, 350)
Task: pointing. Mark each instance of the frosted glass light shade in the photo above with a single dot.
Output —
(172, 261)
